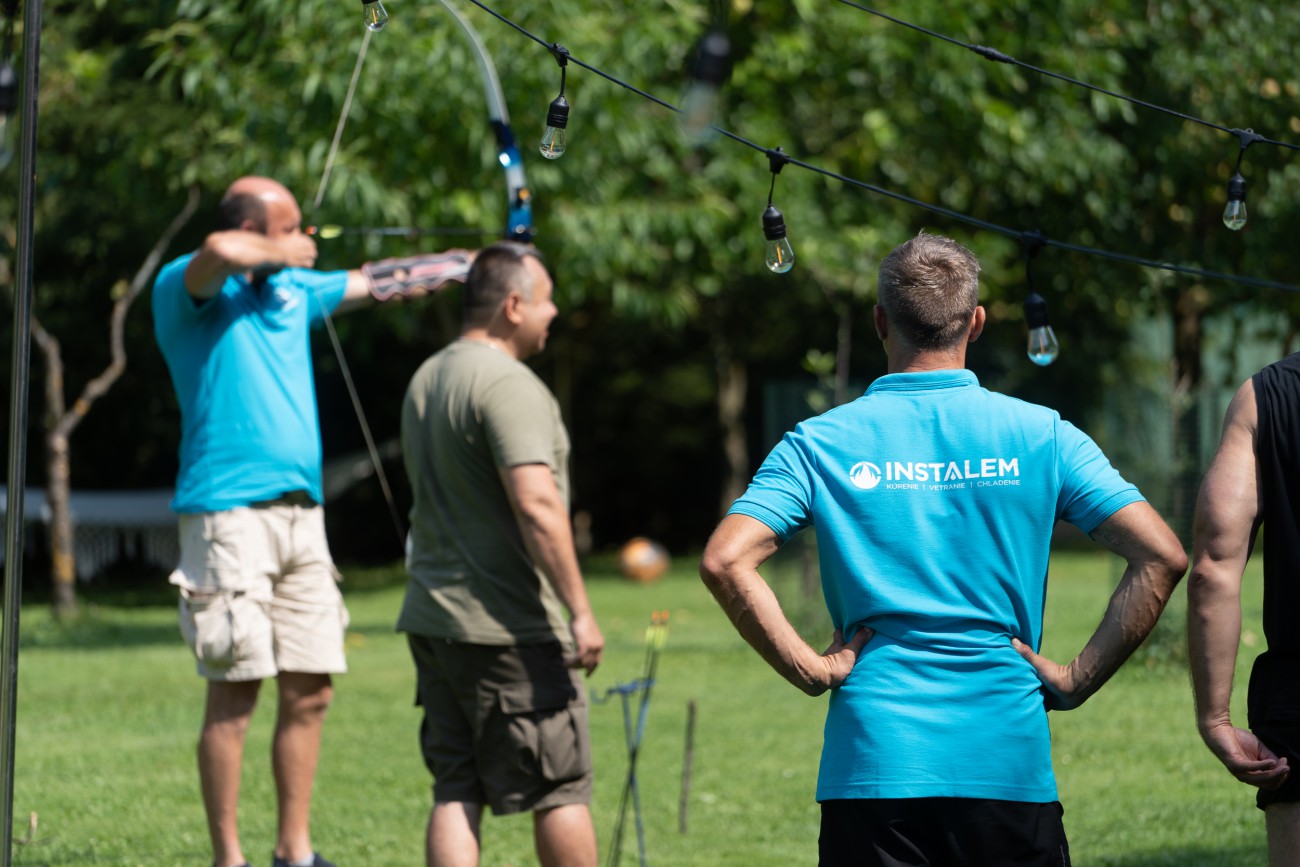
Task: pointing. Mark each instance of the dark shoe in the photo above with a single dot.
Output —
(317, 861)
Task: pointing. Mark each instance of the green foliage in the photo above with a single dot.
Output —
(656, 247)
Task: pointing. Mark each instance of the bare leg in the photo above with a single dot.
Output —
(453, 835)
(304, 699)
(221, 755)
(1283, 823)
(565, 837)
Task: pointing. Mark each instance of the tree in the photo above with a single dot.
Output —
(61, 420)
(672, 325)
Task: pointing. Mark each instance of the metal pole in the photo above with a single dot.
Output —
(29, 85)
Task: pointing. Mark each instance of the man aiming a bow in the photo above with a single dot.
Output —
(258, 588)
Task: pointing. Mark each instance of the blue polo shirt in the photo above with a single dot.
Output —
(933, 501)
(241, 366)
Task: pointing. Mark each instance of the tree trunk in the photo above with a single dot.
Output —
(1185, 408)
(63, 568)
(843, 351)
(60, 421)
(733, 382)
(63, 564)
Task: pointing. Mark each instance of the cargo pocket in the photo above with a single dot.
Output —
(208, 626)
(544, 730)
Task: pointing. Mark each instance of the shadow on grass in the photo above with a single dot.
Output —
(1191, 856)
(133, 607)
(94, 627)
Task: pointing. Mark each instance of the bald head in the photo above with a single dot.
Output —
(254, 203)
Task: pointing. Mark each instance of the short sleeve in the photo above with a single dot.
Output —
(519, 421)
(1091, 489)
(781, 494)
(172, 304)
(324, 290)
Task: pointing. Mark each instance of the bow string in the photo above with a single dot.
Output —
(519, 208)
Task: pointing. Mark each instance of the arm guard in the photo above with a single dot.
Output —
(389, 277)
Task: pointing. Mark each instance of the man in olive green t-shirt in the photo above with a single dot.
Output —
(492, 571)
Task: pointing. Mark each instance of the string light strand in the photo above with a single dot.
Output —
(968, 219)
(1000, 57)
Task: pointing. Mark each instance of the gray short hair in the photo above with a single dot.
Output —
(498, 270)
(929, 289)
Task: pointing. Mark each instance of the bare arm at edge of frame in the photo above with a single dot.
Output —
(729, 569)
(1155, 563)
(1227, 510)
(544, 522)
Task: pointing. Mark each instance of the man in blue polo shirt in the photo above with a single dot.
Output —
(258, 594)
(933, 501)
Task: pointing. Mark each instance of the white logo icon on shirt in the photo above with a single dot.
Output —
(865, 475)
(284, 299)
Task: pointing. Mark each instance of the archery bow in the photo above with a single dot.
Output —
(519, 204)
(519, 208)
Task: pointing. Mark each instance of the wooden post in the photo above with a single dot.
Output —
(687, 761)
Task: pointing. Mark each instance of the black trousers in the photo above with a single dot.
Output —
(942, 832)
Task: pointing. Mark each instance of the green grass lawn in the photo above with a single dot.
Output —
(108, 713)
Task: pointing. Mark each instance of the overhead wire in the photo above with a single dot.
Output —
(959, 216)
(1001, 57)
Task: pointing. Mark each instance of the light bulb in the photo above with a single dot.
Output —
(555, 140)
(375, 15)
(708, 73)
(1043, 346)
(1234, 213)
(8, 103)
(699, 107)
(780, 255)
(7, 125)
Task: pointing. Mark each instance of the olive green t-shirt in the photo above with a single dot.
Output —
(470, 410)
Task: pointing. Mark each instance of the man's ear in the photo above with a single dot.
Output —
(510, 308)
(882, 324)
(976, 325)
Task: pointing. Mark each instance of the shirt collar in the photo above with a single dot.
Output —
(929, 380)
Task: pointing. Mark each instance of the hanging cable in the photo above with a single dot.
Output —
(779, 254)
(710, 68)
(1043, 347)
(1234, 213)
(1000, 57)
(968, 219)
(555, 139)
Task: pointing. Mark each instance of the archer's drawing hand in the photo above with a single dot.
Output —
(297, 250)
